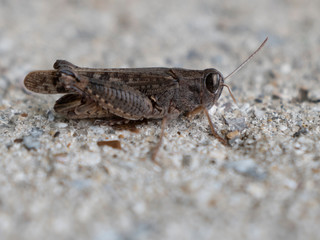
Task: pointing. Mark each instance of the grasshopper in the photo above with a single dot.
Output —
(119, 95)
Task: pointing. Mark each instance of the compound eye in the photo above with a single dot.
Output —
(212, 82)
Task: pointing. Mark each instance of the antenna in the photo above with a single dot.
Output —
(247, 60)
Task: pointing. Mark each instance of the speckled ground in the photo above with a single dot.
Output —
(56, 182)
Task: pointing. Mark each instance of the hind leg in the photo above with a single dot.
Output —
(74, 106)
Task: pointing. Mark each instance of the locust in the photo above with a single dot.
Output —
(119, 95)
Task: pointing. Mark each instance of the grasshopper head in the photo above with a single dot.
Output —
(213, 83)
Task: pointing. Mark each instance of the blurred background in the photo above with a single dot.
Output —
(190, 34)
(147, 33)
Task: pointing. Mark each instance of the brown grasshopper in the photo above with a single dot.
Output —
(121, 94)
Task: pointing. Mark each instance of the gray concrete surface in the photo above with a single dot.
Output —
(266, 186)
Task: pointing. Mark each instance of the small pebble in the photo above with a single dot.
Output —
(282, 128)
(186, 160)
(275, 97)
(36, 132)
(272, 74)
(18, 140)
(302, 130)
(56, 134)
(237, 123)
(233, 134)
(303, 95)
(61, 157)
(286, 68)
(50, 116)
(256, 190)
(61, 125)
(31, 142)
(97, 130)
(259, 113)
(290, 183)
(248, 168)
(113, 143)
